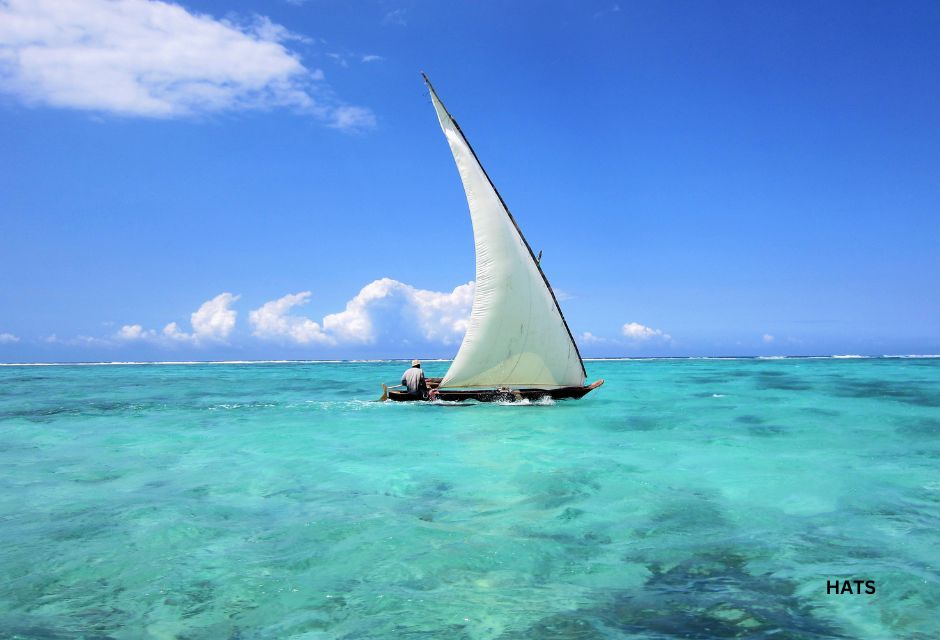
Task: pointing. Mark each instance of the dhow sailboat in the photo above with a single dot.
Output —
(518, 344)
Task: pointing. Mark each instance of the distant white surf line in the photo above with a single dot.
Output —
(640, 358)
(914, 356)
(157, 363)
(827, 357)
(381, 360)
(198, 362)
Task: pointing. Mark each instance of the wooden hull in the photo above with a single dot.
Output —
(496, 395)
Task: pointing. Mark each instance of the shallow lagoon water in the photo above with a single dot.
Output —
(684, 499)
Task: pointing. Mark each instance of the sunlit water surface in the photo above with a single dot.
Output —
(684, 499)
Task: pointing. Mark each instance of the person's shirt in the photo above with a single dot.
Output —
(413, 378)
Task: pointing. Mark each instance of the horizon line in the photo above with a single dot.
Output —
(851, 356)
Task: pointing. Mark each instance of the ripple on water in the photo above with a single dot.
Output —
(278, 501)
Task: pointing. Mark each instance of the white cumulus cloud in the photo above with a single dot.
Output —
(767, 338)
(173, 333)
(589, 338)
(391, 308)
(156, 59)
(639, 332)
(212, 322)
(134, 332)
(385, 309)
(8, 338)
(272, 321)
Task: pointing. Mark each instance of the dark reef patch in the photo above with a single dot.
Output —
(706, 597)
(48, 413)
(570, 514)
(562, 626)
(908, 393)
(767, 430)
(694, 514)
(550, 491)
(639, 423)
(829, 413)
(705, 379)
(54, 630)
(920, 427)
(780, 381)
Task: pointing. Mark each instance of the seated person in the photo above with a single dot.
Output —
(413, 378)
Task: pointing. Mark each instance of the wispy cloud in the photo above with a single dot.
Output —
(613, 8)
(352, 118)
(8, 338)
(344, 58)
(338, 58)
(268, 31)
(767, 338)
(396, 17)
(589, 338)
(78, 341)
(148, 58)
(638, 332)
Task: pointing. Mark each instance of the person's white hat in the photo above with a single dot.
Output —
(415, 363)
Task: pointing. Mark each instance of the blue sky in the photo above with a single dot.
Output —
(269, 179)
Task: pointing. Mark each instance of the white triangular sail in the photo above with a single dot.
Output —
(517, 336)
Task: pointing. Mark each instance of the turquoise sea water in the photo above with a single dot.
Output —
(684, 499)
